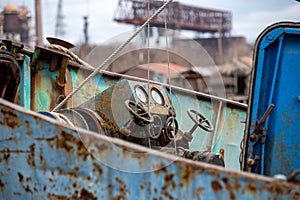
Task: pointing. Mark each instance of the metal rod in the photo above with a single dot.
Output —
(193, 128)
(264, 117)
(38, 21)
(215, 136)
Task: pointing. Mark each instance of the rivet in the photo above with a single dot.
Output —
(270, 37)
(251, 161)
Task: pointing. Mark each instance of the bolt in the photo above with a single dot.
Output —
(222, 152)
(251, 161)
(252, 138)
(270, 37)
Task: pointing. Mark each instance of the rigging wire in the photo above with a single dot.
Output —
(122, 46)
(148, 63)
(168, 55)
(169, 73)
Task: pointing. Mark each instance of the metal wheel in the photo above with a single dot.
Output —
(202, 122)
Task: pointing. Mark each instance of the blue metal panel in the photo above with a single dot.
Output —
(276, 81)
(42, 159)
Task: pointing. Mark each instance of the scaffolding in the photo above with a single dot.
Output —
(179, 16)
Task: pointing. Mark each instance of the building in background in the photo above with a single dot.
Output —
(15, 24)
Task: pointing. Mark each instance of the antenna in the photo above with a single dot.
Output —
(59, 26)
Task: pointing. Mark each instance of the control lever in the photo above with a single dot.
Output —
(264, 117)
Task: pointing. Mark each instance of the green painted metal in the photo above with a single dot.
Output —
(24, 87)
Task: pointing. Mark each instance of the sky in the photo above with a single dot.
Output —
(249, 18)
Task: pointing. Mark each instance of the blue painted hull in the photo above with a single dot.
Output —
(42, 159)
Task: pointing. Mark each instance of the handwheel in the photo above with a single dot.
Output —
(139, 112)
(202, 122)
(156, 127)
(171, 128)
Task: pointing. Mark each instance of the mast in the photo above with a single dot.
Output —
(85, 30)
(38, 23)
(59, 26)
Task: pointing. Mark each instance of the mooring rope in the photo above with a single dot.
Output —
(72, 55)
(112, 55)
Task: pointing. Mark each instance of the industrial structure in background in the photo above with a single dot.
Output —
(59, 25)
(179, 16)
(212, 27)
(15, 24)
(231, 54)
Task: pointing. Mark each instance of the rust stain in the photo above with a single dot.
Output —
(229, 188)
(142, 186)
(28, 179)
(251, 188)
(27, 189)
(168, 183)
(161, 168)
(31, 156)
(123, 190)
(296, 196)
(10, 118)
(277, 189)
(29, 133)
(1, 185)
(57, 197)
(237, 185)
(76, 168)
(6, 154)
(216, 186)
(21, 177)
(98, 168)
(198, 192)
(61, 172)
(110, 126)
(110, 189)
(41, 155)
(65, 141)
(27, 124)
(86, 195)
(187, 175)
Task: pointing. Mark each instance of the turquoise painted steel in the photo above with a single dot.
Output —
(227, 116)
(228, 120)
(24, 89)
(43, 159)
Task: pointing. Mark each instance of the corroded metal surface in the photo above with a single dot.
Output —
(272, 145)
(48, 88)
(10, 76)
(42, 159)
